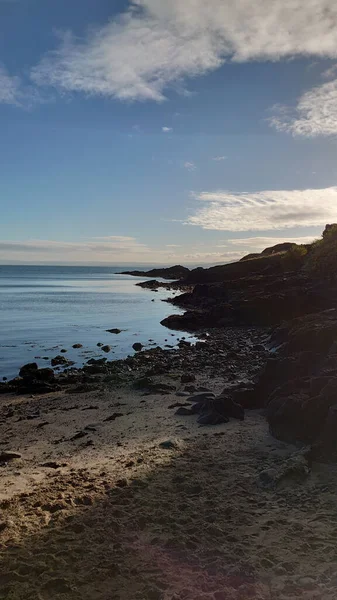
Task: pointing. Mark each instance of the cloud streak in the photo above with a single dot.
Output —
(260, 243)
(156, 44)
(264, 210)
(190, 166)
(9, 88)
(314, 115)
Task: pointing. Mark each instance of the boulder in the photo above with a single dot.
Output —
(298, 386)
(59, 361)
(137, 346)
(28, 370)
(45, 375)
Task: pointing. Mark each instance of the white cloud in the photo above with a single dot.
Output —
(190, 166)
(219, 158)
(315, 113)
(330, 73)
(166, 129)
(9, 88)
(260, 243)
(265, 210)
(156, 44)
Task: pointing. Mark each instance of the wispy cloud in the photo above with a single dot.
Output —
(156, 44)
(190, 166)
(9, 88)
(314, 115)
(110, 249)
(166, 129)
(260, 243)
(219, 158)
(265, 210)
(330, 73)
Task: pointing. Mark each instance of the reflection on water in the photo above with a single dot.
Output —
(45, 309)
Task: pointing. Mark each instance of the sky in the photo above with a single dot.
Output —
(165, 132)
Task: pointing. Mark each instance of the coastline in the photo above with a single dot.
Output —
(115, 486)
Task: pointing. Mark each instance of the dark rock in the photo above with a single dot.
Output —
(137, 346)
(116, 331)
(35, 386)
(176, 272)
(79, 435)
(53, 465)
(187, 378)
(201, 396)
(299, 385)
(114, 417)
(63, 350)
(121, 483)
(77, 346)
(212, 418)
(97, 361)
(183, 411)
(45, 375)
(6, 456)
(60, 361)
(168, 445)
(28, 370)
(95, 369)
(106, 348)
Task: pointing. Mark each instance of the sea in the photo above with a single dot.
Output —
(44, 309)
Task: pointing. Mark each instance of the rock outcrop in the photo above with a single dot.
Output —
(298, 386)
(176, 272)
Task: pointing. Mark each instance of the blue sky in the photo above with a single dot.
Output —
(163, 132)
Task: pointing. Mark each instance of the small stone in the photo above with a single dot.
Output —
(168, 445)
(59, 360)
(114, 417)
(78, 435)
(106, 348)
(7, 456)
(137, 346)
(77, 346)
(115, 331)
(53, 465)
(63, 350)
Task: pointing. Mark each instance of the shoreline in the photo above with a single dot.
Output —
(156, 477)
(116, 496)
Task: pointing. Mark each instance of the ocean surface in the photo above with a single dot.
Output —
(45, 309)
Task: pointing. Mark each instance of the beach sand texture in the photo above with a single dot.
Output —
(125, 517)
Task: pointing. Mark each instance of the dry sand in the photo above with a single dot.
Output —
(125, 518)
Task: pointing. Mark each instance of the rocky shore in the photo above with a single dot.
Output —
(186, 473)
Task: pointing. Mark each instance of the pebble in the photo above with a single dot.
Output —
(7, 456)
(168, 445)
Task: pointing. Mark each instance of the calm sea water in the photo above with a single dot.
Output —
(44, 309)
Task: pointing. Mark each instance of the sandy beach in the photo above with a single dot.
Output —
(116, 497)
